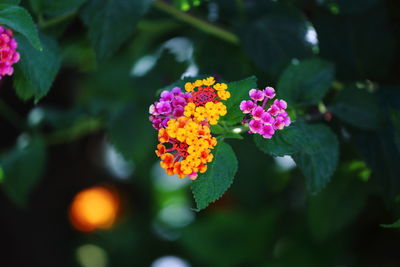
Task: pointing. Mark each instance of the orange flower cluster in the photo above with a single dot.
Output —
(183, 122)
(185, 147)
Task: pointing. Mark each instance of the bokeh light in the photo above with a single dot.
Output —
(91, 256)
(94, 208)
(169, 261)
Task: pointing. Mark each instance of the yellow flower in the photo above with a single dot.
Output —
(224, 95)
(209, 81)
(189, 87)
(198, 83)
(220, 86)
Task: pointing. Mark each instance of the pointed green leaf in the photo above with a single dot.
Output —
(19, 20)
(111, 23)
(307, 82)
(23, 168)
(211, 185)
(319, 162)
(36, 70)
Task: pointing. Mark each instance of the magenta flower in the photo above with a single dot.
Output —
(261, 119)
(269, 92)
(8, 53)
(255, 126)
(247, 106)
(257, 113)
(256, 95)
(171, 104)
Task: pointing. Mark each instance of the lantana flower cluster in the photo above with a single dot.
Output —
(8, 52)
(183, 122)
(260, 119)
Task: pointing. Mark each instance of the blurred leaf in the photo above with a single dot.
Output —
(131, 133)
(225, 238)
(239, 91)
(15, 2)
(379, 149)
(350, 43)
(36, 69)
(111, 23)
(284, 142)
(274, 39)
(356, 107)
(23, 168)
(56, 8)
(335, 207)
(223, 54)
(307, 82)
(18, 19)
(395, 117)
(319, 163)
(396, 224)
(211, 185)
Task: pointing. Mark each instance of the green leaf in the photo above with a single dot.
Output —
(239, 91)
(307, 82)
(396, 224)
(284, 142)
(357, 107)
(274, 39)
(319, 163)
(18, 19)
(111, 23)
(131, 133)
(14, 2)
(36, 70)
(56, 8)
(23, 168)
(211, 185)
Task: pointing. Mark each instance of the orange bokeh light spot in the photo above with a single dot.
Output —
(94, 208)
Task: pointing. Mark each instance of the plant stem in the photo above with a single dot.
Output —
(197, 23)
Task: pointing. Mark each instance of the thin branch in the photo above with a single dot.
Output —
(196, 22)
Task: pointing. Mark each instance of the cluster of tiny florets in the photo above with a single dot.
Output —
(183, 122)
(261, 120)
(8, 52)
(185, 147)
(170, 105)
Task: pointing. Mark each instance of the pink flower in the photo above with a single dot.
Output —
(164, 107)
(269, 92)
(267, 118)
(267, 131)
(261, 119)
(166, 96)
(255, 126)
(247, 106)
(274, 110)
(280, 104)
(171, 104)
(8, 53)
(257, 113)
(256, 95)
